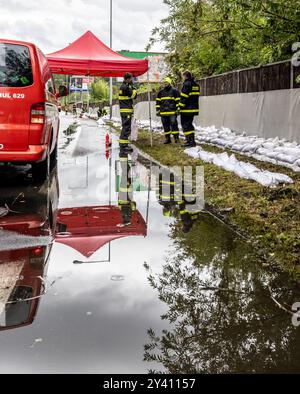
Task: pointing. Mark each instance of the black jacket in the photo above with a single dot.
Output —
(189, 98)
(127, 94)
(167, 102)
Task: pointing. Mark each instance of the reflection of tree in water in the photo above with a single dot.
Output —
(18, 71)
(220, 311)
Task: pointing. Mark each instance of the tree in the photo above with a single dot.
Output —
(214, 36)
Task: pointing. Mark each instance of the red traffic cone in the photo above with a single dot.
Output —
(107, 140)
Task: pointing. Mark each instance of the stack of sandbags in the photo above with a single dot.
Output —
(241, 169)
(274, 150)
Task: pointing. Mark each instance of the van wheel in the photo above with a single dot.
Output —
(40, 171)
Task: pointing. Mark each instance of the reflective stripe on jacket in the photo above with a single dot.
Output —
(127, 94)
(167, 102)
(189, 98)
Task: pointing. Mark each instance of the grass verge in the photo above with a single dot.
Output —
(270, 217)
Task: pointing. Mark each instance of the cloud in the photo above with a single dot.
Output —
(53, 25)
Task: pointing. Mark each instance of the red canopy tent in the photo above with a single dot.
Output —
(90, 56)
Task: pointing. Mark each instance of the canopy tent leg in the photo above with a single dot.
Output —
(88, 96)
(110, 97)
(148, 197)
(111, 45)
(150, 112)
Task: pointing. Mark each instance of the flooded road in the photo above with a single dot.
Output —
(90, 284)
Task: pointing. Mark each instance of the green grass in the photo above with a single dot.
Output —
(269, 217)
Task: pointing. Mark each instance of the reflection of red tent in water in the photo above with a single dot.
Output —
(87, 229)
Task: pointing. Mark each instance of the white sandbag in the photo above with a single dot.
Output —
(248, 148)
(134, 130)
(193, 152)
(268, 145)
(287, 158)
(237, 147)
(226, 130)
(206, 156)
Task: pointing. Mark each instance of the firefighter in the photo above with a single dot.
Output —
(178, 199)
(189, 207)
(188, 218)
(189, 107)
(171, 197)
(166, 189)
(167, 107)
(127, 94)
(125, 203)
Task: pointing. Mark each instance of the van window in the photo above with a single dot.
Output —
(15, 66)
(50, 86)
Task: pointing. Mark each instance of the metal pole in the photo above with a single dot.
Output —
(149, 103)
(88, 95)
(110, 180)
(292, 76)
(76, 99)
(149, 190)
(111, 44)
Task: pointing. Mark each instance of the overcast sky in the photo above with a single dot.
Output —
(54, 24)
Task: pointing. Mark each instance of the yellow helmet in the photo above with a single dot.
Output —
(168, 80)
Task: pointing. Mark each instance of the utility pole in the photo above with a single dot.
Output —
(88, 95)
(111, 44)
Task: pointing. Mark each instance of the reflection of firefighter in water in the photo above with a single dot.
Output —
(189, 208)
(167, 192)
(126, 205)
(178, 199)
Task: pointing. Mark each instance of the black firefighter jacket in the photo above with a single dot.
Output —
(127, 94)
(167, 101)
(189, 98)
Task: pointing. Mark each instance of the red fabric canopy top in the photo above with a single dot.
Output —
(90, 56)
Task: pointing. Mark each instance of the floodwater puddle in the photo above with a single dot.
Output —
(99, 273)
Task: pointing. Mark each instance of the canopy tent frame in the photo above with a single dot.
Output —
(89, 56)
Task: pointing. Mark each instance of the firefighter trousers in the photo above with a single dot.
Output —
(170, 125)
(187, 123)
(126, 129)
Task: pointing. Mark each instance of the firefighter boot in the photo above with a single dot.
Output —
(192, 141)
(168, 140)
(187, 144)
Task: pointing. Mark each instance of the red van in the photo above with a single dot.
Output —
(29, 118)
(26, 237)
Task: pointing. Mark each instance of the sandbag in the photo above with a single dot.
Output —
(134, 130)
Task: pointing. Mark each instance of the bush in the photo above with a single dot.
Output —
(100, 90)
